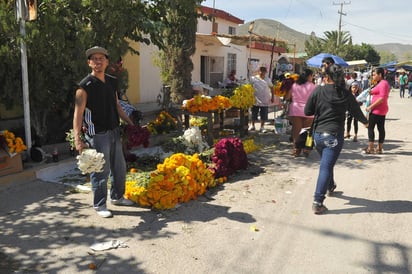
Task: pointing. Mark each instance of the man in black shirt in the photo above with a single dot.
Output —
(97, 112)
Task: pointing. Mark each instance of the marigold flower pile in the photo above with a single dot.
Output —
(201, 103)
(164, 123)
(243, 97)
(11, 143)
(181, 177)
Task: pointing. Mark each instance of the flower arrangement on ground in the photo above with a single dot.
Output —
(229, 156)
(179, 179)
(192, 141)
(10, 143)
(164, 123)
(202, 103)
(243, 97)
(136, 135)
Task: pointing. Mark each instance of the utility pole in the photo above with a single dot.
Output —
(26, 10)
(340, 12)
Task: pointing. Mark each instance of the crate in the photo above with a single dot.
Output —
(10, 164)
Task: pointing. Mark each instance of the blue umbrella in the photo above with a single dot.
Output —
(316, 61)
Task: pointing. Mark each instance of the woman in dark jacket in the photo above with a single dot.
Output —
(329, 104)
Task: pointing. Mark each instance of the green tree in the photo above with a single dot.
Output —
(179, 38)
(56, 42)
(346, 49)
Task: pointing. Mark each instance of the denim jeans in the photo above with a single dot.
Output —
(329, 147)
(109, 144)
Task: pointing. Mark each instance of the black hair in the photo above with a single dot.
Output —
(380, 71)
(337, 75)
(303, 77)
(328, 60)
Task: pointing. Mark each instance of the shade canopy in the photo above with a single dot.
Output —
(316, 61)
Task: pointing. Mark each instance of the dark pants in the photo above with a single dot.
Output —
(379, 121)
(349, 124)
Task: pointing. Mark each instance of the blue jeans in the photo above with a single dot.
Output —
(108, 143)
(329, 147)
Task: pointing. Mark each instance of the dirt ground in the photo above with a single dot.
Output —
(260, 221)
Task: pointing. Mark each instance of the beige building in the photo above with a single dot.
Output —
(219, 50)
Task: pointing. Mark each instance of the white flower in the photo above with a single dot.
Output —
(90, 161)
(194, 140)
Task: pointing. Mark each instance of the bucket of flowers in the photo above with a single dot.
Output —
(10, 143)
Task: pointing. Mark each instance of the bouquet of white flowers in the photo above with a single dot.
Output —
(90, 161)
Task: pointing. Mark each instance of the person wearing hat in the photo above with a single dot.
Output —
(355, 89)
(96, 114)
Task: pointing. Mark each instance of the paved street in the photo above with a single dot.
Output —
(258, 222)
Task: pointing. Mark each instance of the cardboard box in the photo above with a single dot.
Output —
(10, 164)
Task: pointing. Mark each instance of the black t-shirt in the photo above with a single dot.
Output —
(101, 108)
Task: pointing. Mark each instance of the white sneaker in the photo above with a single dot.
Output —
(263, 130)
(104, 212)
(251, 128)
(122, 202)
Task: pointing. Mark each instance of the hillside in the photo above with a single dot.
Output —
(273, 28)
(401, 51)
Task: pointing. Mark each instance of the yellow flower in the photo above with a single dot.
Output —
(11, 143)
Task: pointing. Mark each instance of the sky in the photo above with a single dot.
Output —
(367, 21)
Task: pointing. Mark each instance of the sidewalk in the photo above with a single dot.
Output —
(65, 164)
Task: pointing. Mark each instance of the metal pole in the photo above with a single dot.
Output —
(25, 76)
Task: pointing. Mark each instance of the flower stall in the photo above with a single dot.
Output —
(205, 106)
(10, 153)
(242, 99)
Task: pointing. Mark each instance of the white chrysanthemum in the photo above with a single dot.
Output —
(90, 161)
(194, 140)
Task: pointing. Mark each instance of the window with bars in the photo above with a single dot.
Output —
(231, 62)
(232, 30)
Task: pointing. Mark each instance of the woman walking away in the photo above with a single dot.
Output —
(329, 104)
(298, 95)
(377, 111)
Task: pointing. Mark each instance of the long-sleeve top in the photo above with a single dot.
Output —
(329, 105)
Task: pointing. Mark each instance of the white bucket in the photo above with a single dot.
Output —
(281, 125)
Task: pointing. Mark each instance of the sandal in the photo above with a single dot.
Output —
(306, 152)
(379, 151)
(355, 139)
(347, 136)
(369, 151)
(296, 152)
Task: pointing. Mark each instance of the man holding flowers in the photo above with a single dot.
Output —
(97, 110)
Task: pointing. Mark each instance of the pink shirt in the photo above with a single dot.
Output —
(300, 94)
(381, 90)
